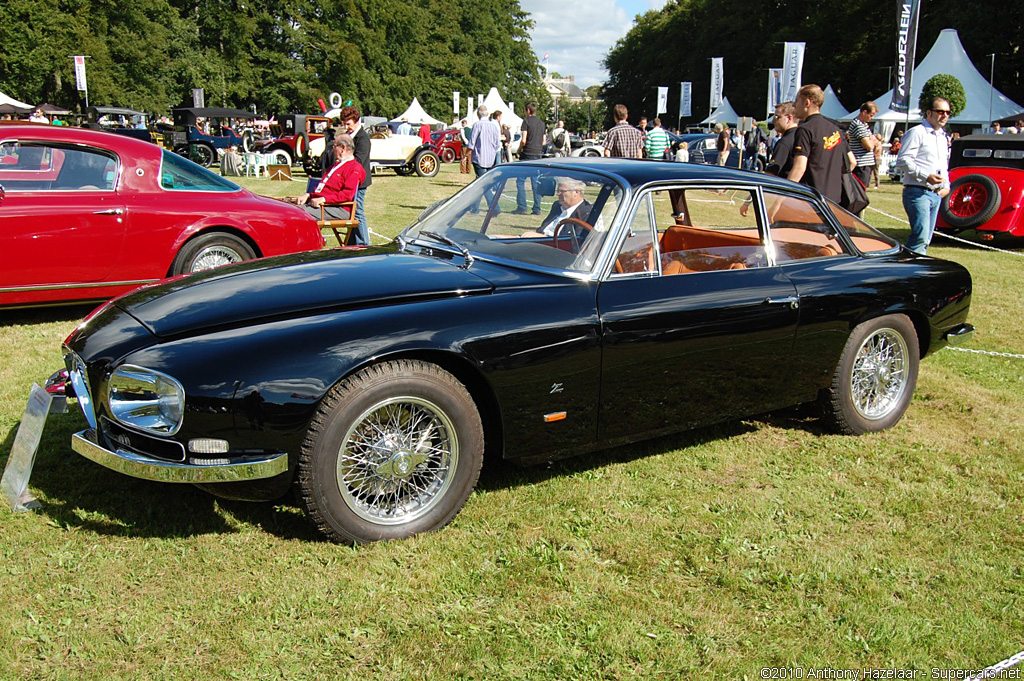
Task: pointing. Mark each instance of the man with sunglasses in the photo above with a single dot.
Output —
(924, 163)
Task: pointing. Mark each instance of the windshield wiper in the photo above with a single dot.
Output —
(454, 244)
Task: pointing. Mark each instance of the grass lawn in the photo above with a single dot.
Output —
(759, 543)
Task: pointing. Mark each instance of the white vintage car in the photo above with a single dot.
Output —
(406, 154)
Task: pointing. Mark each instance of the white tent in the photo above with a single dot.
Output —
(494, 102)
(948, 56)
(416, 115)
(15, 104)
(723, 114)
(833, 108)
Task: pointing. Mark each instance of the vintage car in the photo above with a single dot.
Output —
(447, 144)
(986, 193)
(648, 297)
(405, 154)
(293, 139)
(87, 215)
(200, 134)
(703, 149)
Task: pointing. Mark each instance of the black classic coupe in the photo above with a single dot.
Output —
(642, 298)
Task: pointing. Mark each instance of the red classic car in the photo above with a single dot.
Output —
(986, 187)
(87, 215)
(447, 144)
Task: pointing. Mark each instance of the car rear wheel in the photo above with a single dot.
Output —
(972, 201)
(427, 164)
(281, 157)
(394, 450)
(211, 250)
(590, 152)
(875, 377)
(311, 164)
(448, 155)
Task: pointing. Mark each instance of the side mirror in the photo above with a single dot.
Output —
(2, 193)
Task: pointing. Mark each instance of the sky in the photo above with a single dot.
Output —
(577, 34)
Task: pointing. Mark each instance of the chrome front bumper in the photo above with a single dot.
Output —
(138, 466)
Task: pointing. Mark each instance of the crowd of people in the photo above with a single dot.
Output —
(803, 146)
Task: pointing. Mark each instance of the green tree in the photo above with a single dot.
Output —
(946, 86)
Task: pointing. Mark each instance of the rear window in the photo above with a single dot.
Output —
(866, 238)
(179, 174)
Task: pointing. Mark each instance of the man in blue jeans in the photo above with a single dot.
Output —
(924, 162)
(531, 147)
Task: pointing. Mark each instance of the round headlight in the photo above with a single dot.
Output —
(146, 399)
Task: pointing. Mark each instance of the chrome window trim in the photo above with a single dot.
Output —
(78, 146)
(65, 287)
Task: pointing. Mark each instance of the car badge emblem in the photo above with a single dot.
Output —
(555, 388)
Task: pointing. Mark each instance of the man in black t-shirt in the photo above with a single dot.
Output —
(530, 147)
(818, 147)
(785, 125)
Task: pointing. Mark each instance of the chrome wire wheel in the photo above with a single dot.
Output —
(398, 460)
(215, 255)
(880, 376)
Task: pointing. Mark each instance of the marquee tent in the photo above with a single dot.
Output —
(494, 102)
(723, 114)
(416, 115)
(948, 56)
(833, 108)
(14, 106)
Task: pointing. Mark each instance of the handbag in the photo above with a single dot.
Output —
(855, 196)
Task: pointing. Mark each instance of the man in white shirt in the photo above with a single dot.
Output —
(924, 163)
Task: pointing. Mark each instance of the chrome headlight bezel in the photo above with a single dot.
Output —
(146, 400)
(79, 377)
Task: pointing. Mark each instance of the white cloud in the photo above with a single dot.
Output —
(577, 34)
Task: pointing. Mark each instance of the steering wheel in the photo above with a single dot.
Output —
(572, 232)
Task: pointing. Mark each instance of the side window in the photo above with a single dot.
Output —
(706, 230)
(33, 166)
(798, 231)
(637, 252)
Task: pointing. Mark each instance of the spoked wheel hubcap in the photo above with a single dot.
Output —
(397, 460)
(880, 374)
(968, 200)
(215, 256)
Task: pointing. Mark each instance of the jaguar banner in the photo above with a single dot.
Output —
(685, 100)
(717, 78)
(792, 71)
(662, 101)
(906, 45)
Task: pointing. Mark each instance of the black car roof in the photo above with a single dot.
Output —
(992, 141)
(636, 172)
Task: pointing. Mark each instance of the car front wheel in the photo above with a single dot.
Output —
(211, 250)
(394, 450)
(427, 164)
(875, 377)
(448, 155)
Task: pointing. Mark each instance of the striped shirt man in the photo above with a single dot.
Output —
(657, 141)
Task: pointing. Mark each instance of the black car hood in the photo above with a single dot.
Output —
(290, 285)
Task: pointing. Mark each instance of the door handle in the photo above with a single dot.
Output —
(792, 301)
(109, 211)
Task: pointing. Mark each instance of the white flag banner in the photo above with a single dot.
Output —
(455, 102)
(774, 90)
(470, 112)
(685, 100)
(80, 73)
(793, 67)
(662, 101)
(717, 81)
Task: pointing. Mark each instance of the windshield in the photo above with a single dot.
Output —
(535, 215)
